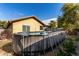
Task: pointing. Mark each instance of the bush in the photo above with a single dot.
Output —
(68, 48)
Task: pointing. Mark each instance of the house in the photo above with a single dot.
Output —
(31, 24)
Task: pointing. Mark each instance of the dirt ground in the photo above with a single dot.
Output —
(77, 48)
(6, 47)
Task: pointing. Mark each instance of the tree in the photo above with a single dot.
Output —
(3, 24)
(70, 16)
(52, 25)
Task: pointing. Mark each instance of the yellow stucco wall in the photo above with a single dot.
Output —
(34, 25)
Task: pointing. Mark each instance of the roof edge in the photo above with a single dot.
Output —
(20, 19)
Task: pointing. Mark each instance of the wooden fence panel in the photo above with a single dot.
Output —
(38, 43)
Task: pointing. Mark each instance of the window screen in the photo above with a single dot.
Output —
(26, 28)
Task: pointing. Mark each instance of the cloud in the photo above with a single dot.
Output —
(20, 14)
(48, 20)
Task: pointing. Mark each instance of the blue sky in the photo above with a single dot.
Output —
(42, 11)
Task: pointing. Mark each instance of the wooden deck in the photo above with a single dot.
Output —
(37, 43)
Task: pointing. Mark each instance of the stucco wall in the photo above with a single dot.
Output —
(34, 25)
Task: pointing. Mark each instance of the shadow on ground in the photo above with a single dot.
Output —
(7, 47)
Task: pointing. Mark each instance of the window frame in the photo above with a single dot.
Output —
(41, 27)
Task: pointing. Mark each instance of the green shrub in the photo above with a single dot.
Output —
(68, 48)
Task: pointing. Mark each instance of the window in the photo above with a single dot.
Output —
(26, 28)
(41, 27)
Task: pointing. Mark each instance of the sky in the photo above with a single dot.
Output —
(43, 11)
